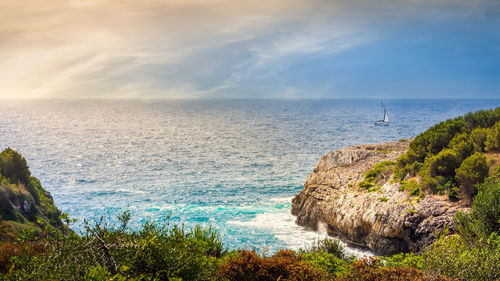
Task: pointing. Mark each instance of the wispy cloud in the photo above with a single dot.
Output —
(189, 48)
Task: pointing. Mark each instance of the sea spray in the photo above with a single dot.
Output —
(322, 228)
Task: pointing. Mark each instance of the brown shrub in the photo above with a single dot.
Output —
(9, 250)
(285, 265)
(372, 269)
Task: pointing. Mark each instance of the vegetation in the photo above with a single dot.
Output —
(381, 171)
(492, 142)
(25, 204)
(472, 171)
(449, 157)
(474, 252)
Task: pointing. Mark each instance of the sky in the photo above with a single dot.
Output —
(250, 49)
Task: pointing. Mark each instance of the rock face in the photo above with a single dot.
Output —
(387, 220)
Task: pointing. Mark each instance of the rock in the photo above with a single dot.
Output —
(396, 223)
(26, 206)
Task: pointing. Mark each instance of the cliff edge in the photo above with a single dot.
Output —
(24, 203)
(385, 218)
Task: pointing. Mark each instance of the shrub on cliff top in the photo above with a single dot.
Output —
(13, 166)
(482, 118)
(493, 138)
(439, 136)
(436, 154)
(471, 172)
(478, 138)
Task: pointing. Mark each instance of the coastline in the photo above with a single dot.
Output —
(385, 220)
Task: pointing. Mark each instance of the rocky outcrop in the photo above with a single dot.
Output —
(384, 219)
(24, 203)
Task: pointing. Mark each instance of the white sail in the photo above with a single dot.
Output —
(384, 121)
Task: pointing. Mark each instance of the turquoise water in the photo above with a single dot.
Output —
(232, 164)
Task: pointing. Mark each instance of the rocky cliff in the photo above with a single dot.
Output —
(382, 218)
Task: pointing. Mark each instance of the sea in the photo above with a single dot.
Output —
(233, 165)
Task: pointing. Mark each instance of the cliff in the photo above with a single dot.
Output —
(24, 203)
(385, 218)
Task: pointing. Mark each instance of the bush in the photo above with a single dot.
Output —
(444, 163)
(436, 138)
(374, 269)
(478, 138)
(284, 265)
(471, 172)
(451, 256)
(482, 118)
(462, 145)
(327, 262)
(13, 166)
(381, 171)
(405, 260)
(484, 219)
(329, 246)
(473, 254)
(9, 250)
(462, 135)
(493, 138)
(154, 252)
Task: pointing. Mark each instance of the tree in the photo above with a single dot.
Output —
(14, 166)
(471, 172)
(478, 138)
(493, 138)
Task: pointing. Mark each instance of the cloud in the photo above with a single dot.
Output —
(190, 48)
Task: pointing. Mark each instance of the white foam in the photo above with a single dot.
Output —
(282, 226)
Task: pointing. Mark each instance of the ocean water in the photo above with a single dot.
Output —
(231, 164)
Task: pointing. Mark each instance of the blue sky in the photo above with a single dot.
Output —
(250, 49)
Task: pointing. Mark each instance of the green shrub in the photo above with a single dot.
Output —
(326, 262)
(482, 118)
(381, 171)
(462, 145)
(365, 185)
(444, 163)
(483, 220)
(329, 246)
(462, 135)
(13, 166)
(436, 138)
(405, 260)
(451, 256)
(154, 252)
(478, 138)
(472, 171)
(493, 138)
(410, 185)
(473, 253)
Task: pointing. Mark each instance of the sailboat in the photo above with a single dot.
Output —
(385, 121)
